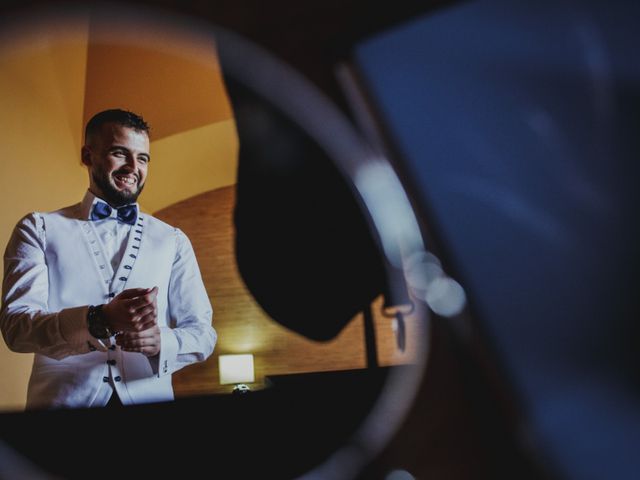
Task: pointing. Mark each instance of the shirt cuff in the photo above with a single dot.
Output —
(73, 328)
(73, 324)
(164, 362)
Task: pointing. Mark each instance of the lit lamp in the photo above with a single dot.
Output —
(236, 369)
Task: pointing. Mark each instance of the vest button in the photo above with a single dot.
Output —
(118, 378)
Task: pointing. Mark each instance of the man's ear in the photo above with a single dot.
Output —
(85, 155)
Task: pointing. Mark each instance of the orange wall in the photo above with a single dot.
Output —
(41, 83)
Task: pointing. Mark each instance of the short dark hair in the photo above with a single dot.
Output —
(121, 117)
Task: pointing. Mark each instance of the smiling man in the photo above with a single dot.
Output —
(109, 299)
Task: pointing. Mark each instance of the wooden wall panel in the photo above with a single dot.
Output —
(243, 327)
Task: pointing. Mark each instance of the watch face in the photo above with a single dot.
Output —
(95, 322)
(98, 331)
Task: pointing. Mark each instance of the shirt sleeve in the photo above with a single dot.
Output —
(190, 336)
(25, 320)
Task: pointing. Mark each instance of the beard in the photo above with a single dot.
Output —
(113, 196)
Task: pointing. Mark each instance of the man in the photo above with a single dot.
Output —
(110, 300)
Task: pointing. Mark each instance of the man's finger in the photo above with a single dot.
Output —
(133, 292)
(137, 303)
(146, 324)
(145, 310)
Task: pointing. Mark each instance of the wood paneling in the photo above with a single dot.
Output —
(243, 327)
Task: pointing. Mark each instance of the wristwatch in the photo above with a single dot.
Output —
(97, 324)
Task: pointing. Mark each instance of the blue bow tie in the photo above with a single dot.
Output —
(126, 214)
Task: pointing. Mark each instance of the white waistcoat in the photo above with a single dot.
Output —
(80, 274)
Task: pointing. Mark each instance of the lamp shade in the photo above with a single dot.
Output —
(237, 368)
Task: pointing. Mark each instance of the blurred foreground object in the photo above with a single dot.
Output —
(516, 127)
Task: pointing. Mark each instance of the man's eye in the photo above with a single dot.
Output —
(118, 154)
(143, 159)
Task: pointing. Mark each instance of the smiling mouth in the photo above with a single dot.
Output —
(125, 180)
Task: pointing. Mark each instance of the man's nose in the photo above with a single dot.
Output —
(131, 162)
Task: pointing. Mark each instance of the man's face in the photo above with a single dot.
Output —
(117, 158)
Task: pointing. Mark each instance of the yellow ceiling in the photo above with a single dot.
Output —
(175, 92)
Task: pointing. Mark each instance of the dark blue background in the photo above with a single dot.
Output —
(517, 124)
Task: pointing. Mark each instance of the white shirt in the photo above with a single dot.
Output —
(43, 313)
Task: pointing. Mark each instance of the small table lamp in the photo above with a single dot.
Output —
(236, 369)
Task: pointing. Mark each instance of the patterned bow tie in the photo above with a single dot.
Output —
(126, 214)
